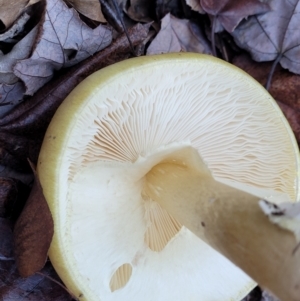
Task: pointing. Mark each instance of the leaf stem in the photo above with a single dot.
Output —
(270, 76)
(213, 41)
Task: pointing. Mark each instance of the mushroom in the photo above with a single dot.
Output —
(124, 147)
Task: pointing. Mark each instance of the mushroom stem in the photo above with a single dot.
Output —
(228, 219)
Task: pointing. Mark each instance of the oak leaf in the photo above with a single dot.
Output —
(229, 13)
(274, 35)
(178, 35)
(63, 41)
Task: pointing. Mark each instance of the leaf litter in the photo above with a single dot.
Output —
(273, 36)
(63, 41)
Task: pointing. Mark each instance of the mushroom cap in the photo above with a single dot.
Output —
(111, 242)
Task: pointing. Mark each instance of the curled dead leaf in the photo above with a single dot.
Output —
(33, 233)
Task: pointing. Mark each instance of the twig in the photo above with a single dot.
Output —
(213, 41)
(123, 24)
(270, 76)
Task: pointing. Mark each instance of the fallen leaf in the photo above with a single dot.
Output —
(229, 13)
(22, 130)
(179, 35)
(195, 5)
(141, 10)
(89, 8)
(12, 285)
(285, 88)
(38, 287)
(33, 232)
(63, 41)
(273, 35)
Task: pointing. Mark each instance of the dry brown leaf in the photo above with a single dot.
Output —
(10, 10)
(178, 35)
(63, 41)
(89, 8)
(33, 232)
